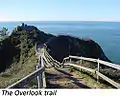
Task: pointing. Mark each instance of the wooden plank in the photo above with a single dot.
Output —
(43, 76)
(26, 79)
(47, 57)
(52, 58)
(98, 69)
(84, 58)
(115, 84)
(50, 62)
(116, 66)
(66, 58)
(46, 54)
(43, 83)
(39, 77)
(44, 80)
(81, 67)
(47, 63)
(39, 81)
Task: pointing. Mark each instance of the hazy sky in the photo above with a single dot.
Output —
(85, 10)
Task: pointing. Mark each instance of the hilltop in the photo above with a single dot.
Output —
(17, 47)
(64, 45)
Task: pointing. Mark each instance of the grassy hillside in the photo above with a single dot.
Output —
(17, 53)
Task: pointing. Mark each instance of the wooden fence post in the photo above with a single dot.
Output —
(39, 78)
(43, 80)
(62, 64)
(70, 60)
(98, 69)
(81, 61)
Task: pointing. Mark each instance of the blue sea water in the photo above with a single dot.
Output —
(106, 34)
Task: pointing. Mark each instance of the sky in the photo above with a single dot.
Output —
(59, 10)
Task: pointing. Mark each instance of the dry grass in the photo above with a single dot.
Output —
(90, 80)
(17, 71)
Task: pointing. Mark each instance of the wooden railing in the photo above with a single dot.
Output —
(97, 72)
(45, 60)
(51, 60)
(38, 73)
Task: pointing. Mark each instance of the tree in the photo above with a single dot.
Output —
(3, 33)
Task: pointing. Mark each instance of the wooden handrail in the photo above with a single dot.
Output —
(116, 66)
(81, 67)
(25, 80)
(115, 84)
(39, 73)
(83, 58)
(112, 82)
(53, 60)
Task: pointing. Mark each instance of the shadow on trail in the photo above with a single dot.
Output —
(75, 81)
(48, 84)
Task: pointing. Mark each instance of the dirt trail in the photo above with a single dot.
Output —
(63, 78)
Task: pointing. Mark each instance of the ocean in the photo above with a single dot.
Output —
(106, 34)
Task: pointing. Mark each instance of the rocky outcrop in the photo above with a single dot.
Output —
(62, 46)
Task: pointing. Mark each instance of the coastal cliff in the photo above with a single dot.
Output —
(63, 45)
(19, 46)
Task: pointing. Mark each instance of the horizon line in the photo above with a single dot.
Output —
(59, 21)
